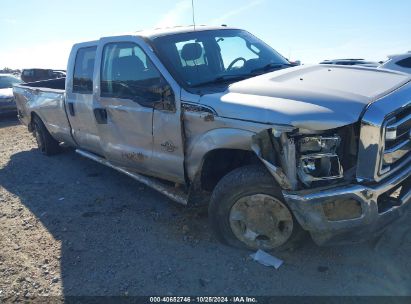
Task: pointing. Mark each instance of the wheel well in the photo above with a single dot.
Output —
(218, 163)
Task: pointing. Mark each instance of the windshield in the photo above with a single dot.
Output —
(8, 81)
(207, 57)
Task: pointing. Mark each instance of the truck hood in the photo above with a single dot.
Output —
(319, 97)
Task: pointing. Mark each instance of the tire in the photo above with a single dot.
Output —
(247, 210)
(45, 142)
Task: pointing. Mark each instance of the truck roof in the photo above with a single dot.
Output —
(154, 33)
(158, 32)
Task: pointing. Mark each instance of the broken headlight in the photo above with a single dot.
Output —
(317, 144)
(318, 159)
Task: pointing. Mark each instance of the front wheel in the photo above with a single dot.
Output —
(247, 211)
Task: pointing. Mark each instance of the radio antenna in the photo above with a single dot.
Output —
(192, 8)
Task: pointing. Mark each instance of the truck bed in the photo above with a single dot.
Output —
(45, 99)
(55, 84)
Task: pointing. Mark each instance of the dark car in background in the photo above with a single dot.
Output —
(352, 61)
(31, 75)
(7, 103)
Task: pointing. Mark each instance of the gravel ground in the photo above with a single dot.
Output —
(69, 226)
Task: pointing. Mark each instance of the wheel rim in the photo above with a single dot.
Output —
(261, 221)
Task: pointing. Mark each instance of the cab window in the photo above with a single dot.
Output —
(128, 73)
(83, 70)
(230, 48)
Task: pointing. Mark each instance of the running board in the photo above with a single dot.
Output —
(171, 192)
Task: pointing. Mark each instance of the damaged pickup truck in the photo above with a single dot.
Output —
(215, 116)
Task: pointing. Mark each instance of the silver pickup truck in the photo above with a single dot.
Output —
(214, 116)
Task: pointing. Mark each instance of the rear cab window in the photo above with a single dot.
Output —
(191, 61)
(83, 70)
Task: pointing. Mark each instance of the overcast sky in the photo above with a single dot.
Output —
(39, 33)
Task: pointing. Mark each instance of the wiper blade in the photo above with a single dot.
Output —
(221, 79)
(271, 66)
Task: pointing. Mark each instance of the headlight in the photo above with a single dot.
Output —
(318, 159)
(318, 144)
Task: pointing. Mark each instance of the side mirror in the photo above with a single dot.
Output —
(167, 99)
(296, 62)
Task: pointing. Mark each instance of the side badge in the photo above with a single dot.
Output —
(168, 146)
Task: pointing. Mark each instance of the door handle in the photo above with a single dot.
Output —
(101, 115)
(71, 108)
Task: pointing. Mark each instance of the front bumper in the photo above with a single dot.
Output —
(378, 210)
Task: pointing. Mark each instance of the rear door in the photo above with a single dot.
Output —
(79, 97)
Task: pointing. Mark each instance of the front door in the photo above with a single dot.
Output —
(124, 107)
(136, 112)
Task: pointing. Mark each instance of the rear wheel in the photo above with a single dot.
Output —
(45, 142)
(247, 210)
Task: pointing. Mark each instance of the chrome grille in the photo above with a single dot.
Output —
(384, 147)
(397, 142)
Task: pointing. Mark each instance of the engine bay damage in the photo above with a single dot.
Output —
(301, 160)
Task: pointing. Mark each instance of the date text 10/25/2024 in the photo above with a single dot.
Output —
(206, 299)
